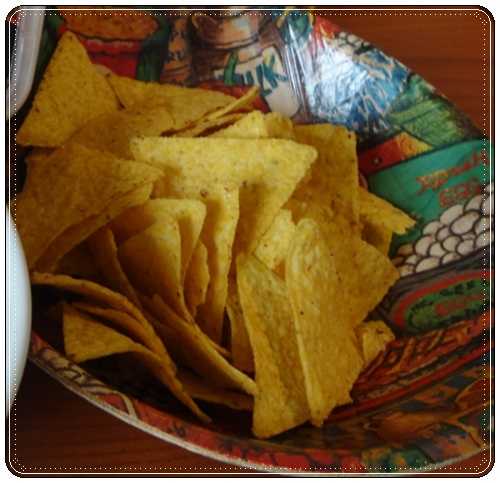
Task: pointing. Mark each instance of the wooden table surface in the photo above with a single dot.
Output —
(54, 430)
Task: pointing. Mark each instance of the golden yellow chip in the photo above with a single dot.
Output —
(112, 132)
(203, 126)
(377, 235)
(186, 105)
(256, 125)
(241, 350)
(273, 246)
(267, 171)
(194, 349)
(380, 211)
(152, 261)
(79, 232)
(86, 339)
(334, 176)
(71, 93)
(197, 278)
(189, 214)
(374, 337)
(217, 235)
(355, 259)
(202, 390)
(124, 322)
(92, 290)
(242, 102)
(324, 328)
(69, 186)
(103, 247)
(280, 402)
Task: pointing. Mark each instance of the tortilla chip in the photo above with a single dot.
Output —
(112, 132)
(105, 252)
(78, 233)
(379, 211)
(267, 171)
(93, 291)
(374, 337)
(197, 278)
(241, 350)
(324, 328)
(280, 402)
(79, 263)
(86, 339)
(194, 349)
(186, 105)
(152, 261)
(355, 259)
(124, 322)
(59, 194)
(273, 246)
(217, 235)
(71, 93)
(256, 125)
(236, 105)
(37, 154)
(377, 235)
(189, 214)
(204, 125)
(334, 176)
(200, 389)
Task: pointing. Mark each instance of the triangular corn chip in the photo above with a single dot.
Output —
(381, 212)
(324, 328)
(71, 93)
(69, 186)
(281, 401)
(86, 339)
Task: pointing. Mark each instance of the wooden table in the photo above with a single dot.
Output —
(57, 431)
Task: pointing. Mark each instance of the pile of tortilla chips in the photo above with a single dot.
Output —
(231, 253)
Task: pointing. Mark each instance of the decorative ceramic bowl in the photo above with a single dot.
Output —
(425, 402)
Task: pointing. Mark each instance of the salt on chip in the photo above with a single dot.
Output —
(69, 186)
(241, 350)
(217, 235)
(334, 176)
(380, 211)
(328, 349)
(86, 339)
(71, 93)
(267, 171)
(374, 336)
(280, 402)
(105, 252)
(194, 348)
(186, 105)
(124, 322)
(200, 389)
(152, 261)
(75, 234)
(112, 132)
(197, 278)
(273, 245)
